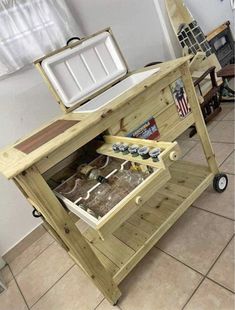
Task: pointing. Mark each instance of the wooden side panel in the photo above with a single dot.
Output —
(158, 102)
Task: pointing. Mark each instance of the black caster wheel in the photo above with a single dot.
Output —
(220, 182)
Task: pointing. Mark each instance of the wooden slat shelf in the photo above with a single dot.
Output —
(124, 248)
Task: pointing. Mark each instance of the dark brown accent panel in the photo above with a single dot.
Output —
(45, 135)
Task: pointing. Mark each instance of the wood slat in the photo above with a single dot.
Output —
(176, 191)
(106, 262)
(178, 177)
(139, 222)
(136, 236)
(118, 252)
(190, 169)
(157, 215)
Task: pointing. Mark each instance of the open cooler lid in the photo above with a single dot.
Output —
(81, 70)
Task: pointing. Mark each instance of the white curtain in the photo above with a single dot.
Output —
(30, 29)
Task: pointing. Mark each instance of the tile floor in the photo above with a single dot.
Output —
(191, 267)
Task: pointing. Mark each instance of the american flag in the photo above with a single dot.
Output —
(180, 98)
(182, 105)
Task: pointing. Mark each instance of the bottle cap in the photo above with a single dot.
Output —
(124, 148)
(116, 147)
(154, 153)
(133, 149)
(144, 152)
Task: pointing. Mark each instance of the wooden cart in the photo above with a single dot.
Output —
(109, 247)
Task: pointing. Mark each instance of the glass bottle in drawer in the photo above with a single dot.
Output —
(95, 193)
(108, 190)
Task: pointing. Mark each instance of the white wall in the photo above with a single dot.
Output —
(25, 105)
(211, 13)
(174, 40)
(135, 25)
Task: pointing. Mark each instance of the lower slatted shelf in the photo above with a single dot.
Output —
(123, 249)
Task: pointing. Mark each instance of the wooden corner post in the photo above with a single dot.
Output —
(199, 120)
(38, 191)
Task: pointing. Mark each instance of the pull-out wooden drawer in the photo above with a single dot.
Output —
(130, 182)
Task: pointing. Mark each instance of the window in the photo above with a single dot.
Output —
(30, 29)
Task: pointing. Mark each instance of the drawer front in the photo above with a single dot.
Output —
(131, 203)
(125, 208)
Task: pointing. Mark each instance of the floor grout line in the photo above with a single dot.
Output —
(21, 293)
(205, 276)
(186, 153)
(226, 158)
(198, 141)
(221, 142)
(220, 255)
(52, 286)
(225, 217)
(178, 260)
(99, 304)
(18, 273)
(229, 173)
(220, 285)
(193, 293)
(196, 137)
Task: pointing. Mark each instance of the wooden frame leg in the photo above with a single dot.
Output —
(38, 191)
(199, 120)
